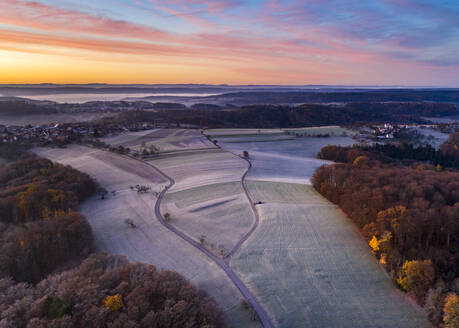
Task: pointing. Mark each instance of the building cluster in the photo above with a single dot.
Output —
(386, 131)
(55, 133)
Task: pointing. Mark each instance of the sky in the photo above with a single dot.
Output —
(297, 42)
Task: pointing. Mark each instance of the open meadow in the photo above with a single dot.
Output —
(207, 199)
(218, 213)
(284, 161)
(164, 140)
(149, 241)
(200, 168)
(309, 266)
(332, 130)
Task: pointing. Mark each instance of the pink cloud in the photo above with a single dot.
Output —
(43, 17)
(280, 50)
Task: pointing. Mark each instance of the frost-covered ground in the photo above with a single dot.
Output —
(284, 161)
(149, 242)
(309, 266)
(207, 198)
(306, 261)
(433, 137)
(219, 211)
(226, 133)
(199, 168)
(163, 139)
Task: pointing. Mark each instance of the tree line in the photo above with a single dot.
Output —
(408, 214)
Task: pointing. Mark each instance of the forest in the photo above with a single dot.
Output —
(426, 109)
(24, 107)
(49, 276)
(36, 217)
(409, 215)
(447, 156)
(107, 291)
(276, 116)
(381, 95)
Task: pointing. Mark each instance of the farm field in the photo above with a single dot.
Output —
(332, 130)
(149, 242)
(433, 137)
(309, 266)
(163, 139)
(200, 168)
(311, 131)
(306, 263)
(240, 132)
(220, 212)
(291, 161)
(257, 138)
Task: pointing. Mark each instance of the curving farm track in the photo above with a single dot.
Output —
(255, 213)
(222, 263)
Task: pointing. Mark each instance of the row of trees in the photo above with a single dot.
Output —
(410, 217)
(107, 291)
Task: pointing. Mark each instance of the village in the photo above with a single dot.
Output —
(61, 134)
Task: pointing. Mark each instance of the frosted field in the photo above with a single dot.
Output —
(312, 131)
(438, 137)
(255, 138)
(164, 139)
(291, 161)
(200, 168)
(310, 268)
(150, 242)
(220, 211)
(240, 132)
(332, 130)
(109, 170)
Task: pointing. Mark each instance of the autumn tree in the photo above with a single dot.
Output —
(416, 277)
(451, 310)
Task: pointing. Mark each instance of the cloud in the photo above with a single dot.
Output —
(247, 37)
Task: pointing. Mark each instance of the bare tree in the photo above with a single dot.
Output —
(202, 239)
(102, 193)
(130, 223)
(222, 250)
(248, 307)
(142, 189)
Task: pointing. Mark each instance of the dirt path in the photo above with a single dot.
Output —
(222, 263)
(255, 213)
